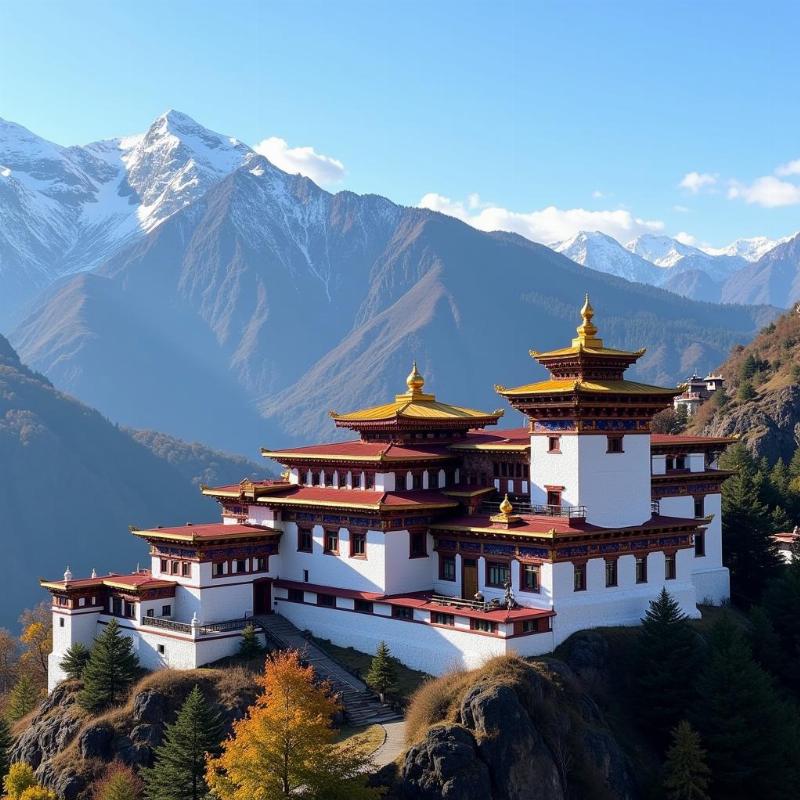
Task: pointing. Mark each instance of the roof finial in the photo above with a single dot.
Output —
(67, 575)
(587, 331)
(505, 507)
(415, 381)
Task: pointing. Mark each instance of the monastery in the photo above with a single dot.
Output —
(450, 539)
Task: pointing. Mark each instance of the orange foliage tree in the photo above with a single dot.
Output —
(285, 745)
(37, 641)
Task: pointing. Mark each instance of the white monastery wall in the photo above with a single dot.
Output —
(554, 469)
(404, 574)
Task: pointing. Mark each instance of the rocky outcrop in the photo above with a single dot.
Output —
(523, 732)
(69, 749)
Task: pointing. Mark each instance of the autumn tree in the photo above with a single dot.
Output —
(119, 782)
(23, 698)
(686, 774)
(179, 769)
(36, 641)
(110, 671)
(9, 653)
(285, 744)
(382, 673)
(19, 778)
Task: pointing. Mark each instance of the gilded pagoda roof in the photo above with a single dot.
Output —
(416, 405)
(571, 385)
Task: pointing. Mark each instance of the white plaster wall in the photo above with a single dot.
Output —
(682, 506)
(359, 574)
(217, 603)
(404, 574)
(555, 469)
(448, 588)
(78, 627)
(659, 465)
(696, 462)
(384, 481)
(429, 648)
(259, 515)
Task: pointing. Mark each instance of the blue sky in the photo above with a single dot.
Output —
(536, 116)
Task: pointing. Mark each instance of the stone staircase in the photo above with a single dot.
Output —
(361, 706)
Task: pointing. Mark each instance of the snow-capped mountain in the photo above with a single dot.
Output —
(749, 249)
(604, 253)
(664, 251)
(66, 209)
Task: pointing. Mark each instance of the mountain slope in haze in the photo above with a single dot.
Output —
(66, 209)
(762, 396)
(73, 482)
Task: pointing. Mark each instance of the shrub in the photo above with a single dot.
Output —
(20, 777)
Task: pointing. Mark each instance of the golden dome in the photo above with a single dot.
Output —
(505, 507)
(415, 381)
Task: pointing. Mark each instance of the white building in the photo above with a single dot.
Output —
(401, 535)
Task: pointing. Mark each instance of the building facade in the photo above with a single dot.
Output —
(435, 531)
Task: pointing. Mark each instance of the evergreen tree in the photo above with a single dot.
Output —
(23, 698)
(75, 660)
(751, 554)
(110, 671)
(781, 603)
(746, 391)
(382, 674)
(765, 643)
(686, 774)
(6, 741)
(250, 646)
(668, 656)
(749, 733)
(180, 762)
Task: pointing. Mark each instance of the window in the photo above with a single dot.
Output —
(484, 625)
(261, 564)
(553, 444)
(641, 569)
(81, 602)
(219, 569)
(419, 548)
(162, 650)
(416, 480)
(332, 542)
(670, 570)
(369, 482)
(295, 595)
(699, 506)
(174, 567)
(554, 499)
(240, 565)
(130, 610)
(166, 611)
(363, 606)
(614, 444)
(305, 576)
(530, 577)
(358, 545)
(579, 580)
(61, 622)
(680, 462)
(116, 607)
(327, 600)
(447, 567)
(527, 626)
(305, 540)
(402, 612)
(315, 479)
(611, 572)
(150, 612)
(94, 601)
(164, 566)
(699, 544)
(186, 569)
(437, 618)
(497, 573)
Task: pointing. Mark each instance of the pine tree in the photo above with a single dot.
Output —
(382, 673)
(751, 554)
(668, 656)
(110, 671)
(179, 769)
(765, 643)
(23, 698)
(686, 774)
(749, 733)
(119, 782)
(6, 740)
(75, 660)
(781, 602)
(250, 646)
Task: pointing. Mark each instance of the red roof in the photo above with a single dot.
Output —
(317, 495)
(142, 579)
(511, 437)
(357, 449)
(206, 531)
(661, 439)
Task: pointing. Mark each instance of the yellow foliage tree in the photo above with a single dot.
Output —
(285, 745)
(20, 778)
(37, 793)
(37, 641)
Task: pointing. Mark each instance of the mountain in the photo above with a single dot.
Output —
(749, 249)
(774, 278)
(73, 482)
(602, 252)
(762, 394)
(66, 209)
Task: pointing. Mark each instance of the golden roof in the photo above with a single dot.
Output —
(415, 404)
(587, 341)
(569, 385)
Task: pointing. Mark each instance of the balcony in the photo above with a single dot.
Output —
(521, 507)
(208, 629)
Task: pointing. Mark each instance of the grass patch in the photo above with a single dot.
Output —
(408, 680)
(368, 739)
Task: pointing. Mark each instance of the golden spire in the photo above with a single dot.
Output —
(587, 330)
(506, 514)
(415, 381)
(505, 507)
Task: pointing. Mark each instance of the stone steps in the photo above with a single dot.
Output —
(360, 705)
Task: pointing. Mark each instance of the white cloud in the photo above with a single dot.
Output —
(322, 169)
(546, 225)
(680, 209)
(696, 181)
(789, 168)
(686, 238)
(767, 191)
(598, 195)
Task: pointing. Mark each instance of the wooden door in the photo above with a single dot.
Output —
(469, 578)
(262, 596)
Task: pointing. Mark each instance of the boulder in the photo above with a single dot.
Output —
(150, 706)
(95, 742)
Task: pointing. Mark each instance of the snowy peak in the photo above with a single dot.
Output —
(749, 249)
(663, 251)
